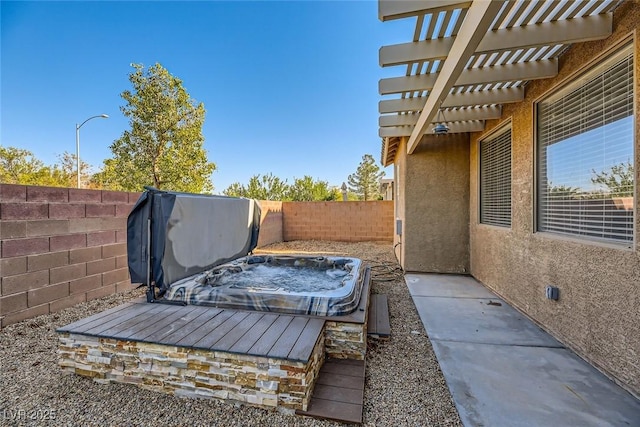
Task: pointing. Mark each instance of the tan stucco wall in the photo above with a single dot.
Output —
(435, 205)
(598, 313)
(399, 173)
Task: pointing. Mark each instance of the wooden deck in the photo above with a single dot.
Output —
(339, 391)
(215, 329)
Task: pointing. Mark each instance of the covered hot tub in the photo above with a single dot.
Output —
(192, 249)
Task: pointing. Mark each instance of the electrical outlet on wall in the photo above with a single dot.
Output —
(552, 292)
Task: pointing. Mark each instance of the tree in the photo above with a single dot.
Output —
(18, 166)
(306, 189)
(164, 147)
(67, 172)
(564, 191)
(267, 187)
(618, 180)
(365, 181)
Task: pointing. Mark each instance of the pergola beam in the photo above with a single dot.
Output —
(483, 97)
(396, 9)
(459, 115)
(476, 24)
(568, 31)
(534, 70)
(455, 127)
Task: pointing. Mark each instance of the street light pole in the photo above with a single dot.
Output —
(78, 126)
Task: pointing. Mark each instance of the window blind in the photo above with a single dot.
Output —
(495, 180)
(585, 142)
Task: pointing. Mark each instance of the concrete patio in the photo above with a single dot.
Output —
(503, 370)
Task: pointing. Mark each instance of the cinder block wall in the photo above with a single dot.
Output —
(63, 246)
(338, 221)
(59, 247)
(270, 223)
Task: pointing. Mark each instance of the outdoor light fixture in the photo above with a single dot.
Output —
(441, 127)
(78, 126)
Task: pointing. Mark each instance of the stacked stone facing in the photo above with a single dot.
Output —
(346, 340)
(269, 383)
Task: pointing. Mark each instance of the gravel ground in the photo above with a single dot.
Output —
(404, 384)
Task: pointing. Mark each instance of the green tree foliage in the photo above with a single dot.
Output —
(365, 182)
(306, 189)
(19, 166)
(67, 169)
(564, 191)
(618, 180)
(270, 187)
(164, 147)
(266, 187)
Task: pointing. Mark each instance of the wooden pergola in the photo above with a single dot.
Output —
(467, 58)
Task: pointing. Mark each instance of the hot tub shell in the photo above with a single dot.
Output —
(180, 244)
(235, 285)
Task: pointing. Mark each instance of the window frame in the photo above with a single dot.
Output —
(498, 131)
(585, 69)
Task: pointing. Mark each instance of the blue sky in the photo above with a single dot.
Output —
(289, 87)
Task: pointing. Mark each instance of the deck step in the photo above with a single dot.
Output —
(378, 325)
(339, 392)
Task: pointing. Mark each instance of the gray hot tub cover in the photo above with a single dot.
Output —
(187, 233)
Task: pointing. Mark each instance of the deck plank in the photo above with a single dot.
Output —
(76, 325)
(209, 340)
(106, 323)
(271, 335)
(344, 381)
(201, 331)
(333, 410)
(346, 362)
(235, 334)
(303, 347)
(251, 337)
(382, 319)
(340, 394)
(187, 324)
(378, 323)
(160, 326)
(287, 340)
(123, 327)
(334, 367)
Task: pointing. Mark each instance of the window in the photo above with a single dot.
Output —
(495, 179)
(585, 153)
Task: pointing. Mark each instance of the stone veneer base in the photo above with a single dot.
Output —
(264, 382)
(345, 340)
(346, 336)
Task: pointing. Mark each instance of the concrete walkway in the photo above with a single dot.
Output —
(503, 370)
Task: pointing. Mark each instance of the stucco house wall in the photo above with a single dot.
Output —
(433, 204)
(598, 313)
